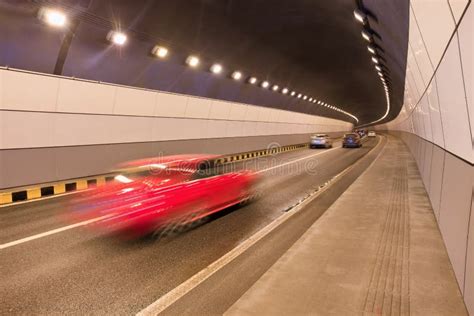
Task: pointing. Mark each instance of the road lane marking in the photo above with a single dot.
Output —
(51, 232)
(184, 288)
(69, 227)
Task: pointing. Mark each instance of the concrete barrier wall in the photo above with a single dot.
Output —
(54, 128)
(437, 123)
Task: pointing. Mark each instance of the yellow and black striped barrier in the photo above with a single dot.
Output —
(37, 191)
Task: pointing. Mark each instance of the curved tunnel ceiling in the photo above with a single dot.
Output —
(313, 47)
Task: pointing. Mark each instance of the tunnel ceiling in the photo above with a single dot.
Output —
(312, 47)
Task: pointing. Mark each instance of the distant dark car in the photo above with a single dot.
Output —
(351, 140)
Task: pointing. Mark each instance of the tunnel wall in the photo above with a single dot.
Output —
(437, 123)
(55, 128)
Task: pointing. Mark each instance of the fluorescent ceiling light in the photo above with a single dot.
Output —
(366, 36)
(371, 49)
(236, 75)
(284, 90)
(52, 17)
(265, 84)
(192, 61)
(275, 88)
(252, 80)
(375, 60)
(160, 51)
(117, 38)
(216, 68)
(360, 16)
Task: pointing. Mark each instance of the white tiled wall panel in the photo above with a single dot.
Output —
(135, 102)
(170, 105)
(433, 105)
(458, 6)
(66, 112)
(457, 133)
(39, 131)
(219, 110)
(198, 108)
(25, 92)
(420, 52)
(443, 114)
(85, 97)
(436, 24)
(465, 33)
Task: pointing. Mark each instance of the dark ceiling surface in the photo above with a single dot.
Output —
(311, 46)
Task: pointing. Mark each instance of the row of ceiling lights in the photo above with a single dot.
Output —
(367, 34)
(58, 19)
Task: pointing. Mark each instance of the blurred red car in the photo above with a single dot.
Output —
(149, 195)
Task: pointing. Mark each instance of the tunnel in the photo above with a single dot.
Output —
(210, 157)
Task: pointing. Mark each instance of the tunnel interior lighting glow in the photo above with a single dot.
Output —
(360, 16)
(310, 100)
(378, 68)
(117, 37)
(314, 100)
(236, 75)
(160, 51)
(284, 90)
(252, 80)
(299, 95)
(305, 97)
(375, 60)
(52, 17)
(366, 36)
(275, 87)
(216, 68)
(371, 49)
(192, 61)
(265, 84)
(293, 93)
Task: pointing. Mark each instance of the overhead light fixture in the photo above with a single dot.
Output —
(292, 93)
(366, 36)
(52, 17)
(378, 68)
(236, 75)
(252, 80)
(299, 95)
(284, 90)
(310, 100)
(216, 69)
(160, 51)
(371, 49)
(319, 102)
(360, 16)
(275, 87)
(117, 37)
(265, 84)
(375, 60)
(314, 101)
(305, 97)
(192, 61)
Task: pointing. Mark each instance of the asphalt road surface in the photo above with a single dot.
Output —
(79, 271)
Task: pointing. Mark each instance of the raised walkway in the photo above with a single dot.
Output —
(376, 251)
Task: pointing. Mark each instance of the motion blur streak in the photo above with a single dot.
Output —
(163, 195)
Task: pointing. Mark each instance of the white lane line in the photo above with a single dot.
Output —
(181, 290)
(51, 232)
(61, 229)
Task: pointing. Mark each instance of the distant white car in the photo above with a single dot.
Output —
(320, 141)
(371, 134)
